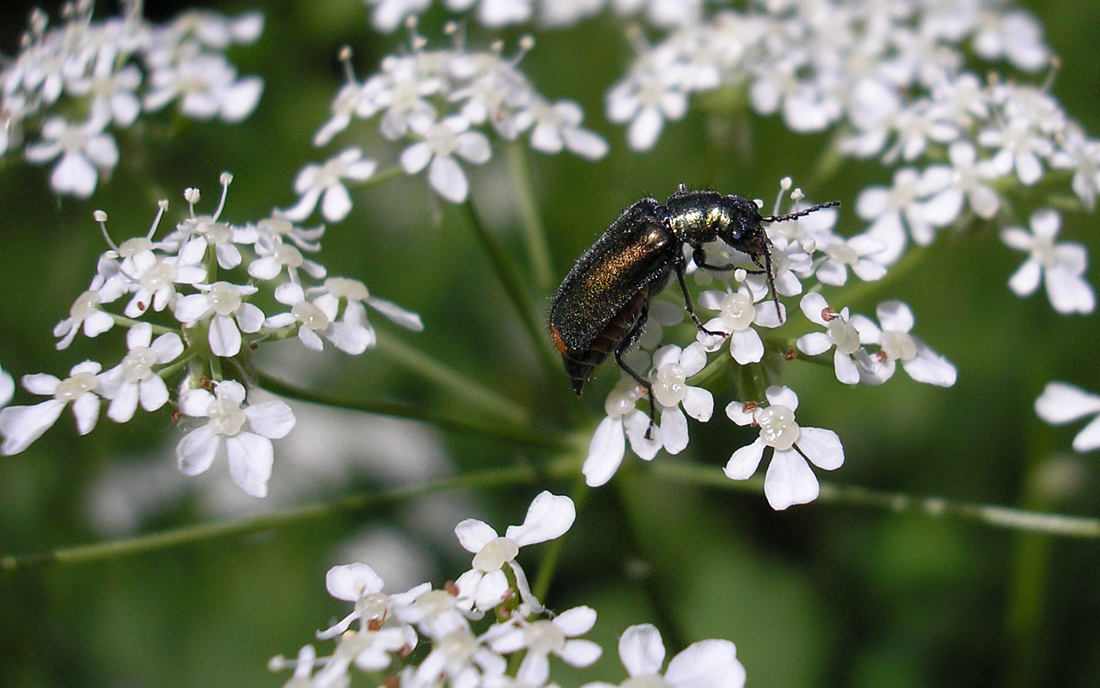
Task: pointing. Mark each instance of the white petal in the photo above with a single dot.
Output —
(706, 664)
(448, 179)
(534, 670)
(812, 305)
(397, 314)
(745, 461)
(473, 534)
(250, 317)
(780, 395)
(225, 338)
(814, 343)
(191, 308)
(845, 367)
(580, 653)
(698, 403)
(22, 425)
(605, 452)
(1089, 438)
(251, 458)
(1061, 403)
(789, 480)
(167, 347)
(636, 424)
(75, 175)
(548, 517)
(336, 203)
(352, 581)
(895, 316)
(272, 419)
(125, 402)
(416, 157)
(642, 650)
(930, 368)
(1026, 279)
(152, 392)
(674, 430)
(1068, 292)
(473, 146)
(576, 621)
(86, 410)
(746, 346)
(645, 129)
(822, 447)
(195, 452)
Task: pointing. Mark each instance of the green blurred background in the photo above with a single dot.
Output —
(820, 595)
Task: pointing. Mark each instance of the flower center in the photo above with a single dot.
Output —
(777, 427)
(138, 364)
(669, 388)
(899, 345)
(310, 316)
(843, 335)
(85, 305)
(493, 555)
(159, 276)
(226, 417)
(737, 311)
(76, 386)
(543, 637)
(352, 290)
(224, 298)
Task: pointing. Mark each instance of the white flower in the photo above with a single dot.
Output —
(789, 479)
(1062, 403)
(399, 89)
(206, 86)
(83, 148)
(84, 313)
(325, 182)
(542, 638)
(437, 613)
(705, 664)
(22, 425)
(389, 14)
(441, 142)
(496, 13)
(672, 366)
(892, 211)
(356, 583)
(485, 585)
(134, 379)
(460, 659)
(651, 94)
(738, 318)
(7, 387)
(1060, 266)
(1017, 36)
(838, 333)
(856, 253)
(231, 315)
(608, 444)
(896, 344)
(559, 125)
(153, 276)
(246, 433)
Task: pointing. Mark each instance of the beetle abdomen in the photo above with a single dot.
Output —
(579, 364)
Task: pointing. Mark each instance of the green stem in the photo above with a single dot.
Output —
(384, 176)
(900, 503)
(470, 391)
(256, 524)
(466, 424)
(534, 232)
(513, 284)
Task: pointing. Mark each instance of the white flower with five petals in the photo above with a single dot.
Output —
(789, 479)
(229, 314)
(245, 431)
(540, 639)
(22, 425)
(838, 333)
(738, 318)
(440, 143)
(1061, 266)
(134, 380)
(705, 664)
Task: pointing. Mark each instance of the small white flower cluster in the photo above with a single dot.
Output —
(486, 629)
(438, 99)
(863, 352)
(895, 75)
(112, 70)
(213, 321)
(389, 14)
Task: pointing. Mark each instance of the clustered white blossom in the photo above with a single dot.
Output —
(187, 303)
(441, 103)
(111, 71)
(486, 629)
(803, 250)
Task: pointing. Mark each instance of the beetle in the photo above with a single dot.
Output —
(603, 303)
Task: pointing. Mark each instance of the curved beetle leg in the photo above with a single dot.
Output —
(631, 338)
(687, 303)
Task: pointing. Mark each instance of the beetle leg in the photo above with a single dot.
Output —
(699, 255)
(631, 338)
(687, 302)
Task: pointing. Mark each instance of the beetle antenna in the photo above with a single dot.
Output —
(800, 213)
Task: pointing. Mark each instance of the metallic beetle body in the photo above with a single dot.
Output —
(603, 303)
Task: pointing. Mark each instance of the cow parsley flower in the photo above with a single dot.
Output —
(1060, 266)
(86, 314)
(672, 366)
(228, 313)
(623, 420)
(325, 183)
(896, 344)
(789, 479)
(738, 318)
(540, 639)
(134, 379)
(839, 332)
(485, 585)
(1062, 403)
(705, 664)
(440, 142)
(22, 425)
(245, 432)
(85, 150)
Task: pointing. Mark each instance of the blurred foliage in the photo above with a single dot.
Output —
(820, 595)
